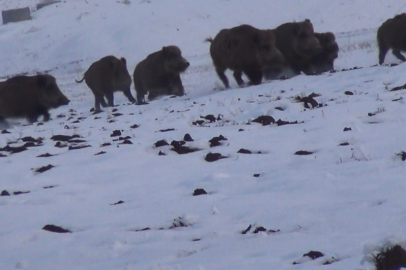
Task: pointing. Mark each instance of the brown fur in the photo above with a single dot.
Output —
(297, 43)
(104, 77)
(30, 97)
(392, 35)
(323, 61)
(244, 49)
(158, 74)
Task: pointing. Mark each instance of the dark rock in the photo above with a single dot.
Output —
(119, 202)
(257, 175)
(115, 133)
(344, 144)
(44, 168)
(64, 138)
(348, 93)
(402, 155)
(210, 157)
(31, 139)
(347, 129)
(47, 187)
(55, 229)
(209, 117)
(161, 153)
(309, 102)
(177, 143)
(19, 149)
(117, 114)
(127, 142)
(279, 108)
(31, 144)
(199, 191)
(161, 143)
(244, 151)
(166, 130)
(265, 120)
(100, 153)
(403, 87)
(134, 126)
(20, 192)
(77, 147)
(184, 150)
(390, 258)
(187, 138)
(215, 141)
(259, 229)
(5, 131)
(303, 153)
(124, 138)
(313, 254)
(246, 230)
(5, 193)
(105, 144)
(143, 230)
(282, 123)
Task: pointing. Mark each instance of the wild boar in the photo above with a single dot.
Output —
(392, 35)
(244, 49)
(297, 43)
(159, 74)
(323, 61)
(104, 77)
(30, 97)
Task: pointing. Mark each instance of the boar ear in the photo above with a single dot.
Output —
(165, 50)
(42, 80)
(124, 61)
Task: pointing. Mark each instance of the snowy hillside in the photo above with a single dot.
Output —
(127, 199)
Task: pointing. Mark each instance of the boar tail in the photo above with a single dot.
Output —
(209, 39)
(80, 80)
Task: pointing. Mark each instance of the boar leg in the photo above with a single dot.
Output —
(237, 76)
(382, 53)
(140, 98)
(177, 87)
(99, 99)
(110, 98)
(3, 123)
(399, 55)
(33, 118)
(46, 115)
(222, 76)
(255, 76)
(127, 93)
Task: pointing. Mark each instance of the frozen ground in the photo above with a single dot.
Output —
(343, 199)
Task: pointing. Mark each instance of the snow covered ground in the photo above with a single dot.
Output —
(132, 207)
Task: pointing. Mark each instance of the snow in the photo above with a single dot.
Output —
(344, 201)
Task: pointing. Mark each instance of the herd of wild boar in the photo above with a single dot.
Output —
(289, 49)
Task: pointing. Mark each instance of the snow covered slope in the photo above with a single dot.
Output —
(132, 207)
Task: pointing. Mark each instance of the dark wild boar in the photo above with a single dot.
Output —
(392, 35)
(106, 76)
(30, 97)
(323, 61)
(244, 49)
(158, 74)
(297, 43)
